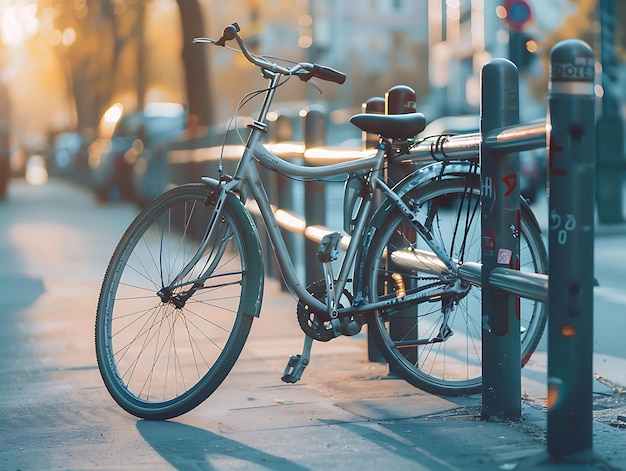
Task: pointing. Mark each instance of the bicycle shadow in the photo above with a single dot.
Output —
(18, 292)
(187, 447)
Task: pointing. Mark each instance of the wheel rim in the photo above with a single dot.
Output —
(162, 349)
(455, 364)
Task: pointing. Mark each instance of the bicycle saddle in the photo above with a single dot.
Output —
(391, 126)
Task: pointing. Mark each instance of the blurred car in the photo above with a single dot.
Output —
(65, 152)
(112, 160)
(5, 144)
(533, 164)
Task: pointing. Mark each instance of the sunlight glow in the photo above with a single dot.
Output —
(110, 118)
(36, 173)
(18, 23)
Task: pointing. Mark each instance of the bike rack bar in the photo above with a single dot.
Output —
(461, 146)
(519, 283)
(513, 138)
(517, 138)
(525, 284)
(420, 260)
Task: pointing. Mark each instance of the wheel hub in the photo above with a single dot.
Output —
(178, 301)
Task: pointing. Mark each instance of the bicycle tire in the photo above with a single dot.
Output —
(452, 367)
(162, 355)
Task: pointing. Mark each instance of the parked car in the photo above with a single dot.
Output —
(65, 153)
(5, 159)
(112, 160)
(5, 144)
(533, 163)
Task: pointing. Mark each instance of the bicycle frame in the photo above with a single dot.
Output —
(246, 179)
(161, 357)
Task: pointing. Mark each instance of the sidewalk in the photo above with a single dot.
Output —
(345, 413)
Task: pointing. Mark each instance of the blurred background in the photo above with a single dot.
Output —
(95, 89)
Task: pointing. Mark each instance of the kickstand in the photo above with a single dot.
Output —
(297, 363)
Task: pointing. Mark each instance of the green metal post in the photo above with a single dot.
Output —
(571, 116)
(401, 99)
(610, 125)
(314, 133)
(500, 214)
(374, 105)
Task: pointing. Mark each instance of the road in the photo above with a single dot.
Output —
(55, 413)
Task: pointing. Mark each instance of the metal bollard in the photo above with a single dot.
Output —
(270, 182)
(500, 215)
(571, 117)
(401, 99)
(374, 105)
(314, 132)
(314, 126)
(282, 130)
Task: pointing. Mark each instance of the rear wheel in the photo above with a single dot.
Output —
(443, 360)
(164, 347)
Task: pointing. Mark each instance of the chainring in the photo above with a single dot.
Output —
(314, 326)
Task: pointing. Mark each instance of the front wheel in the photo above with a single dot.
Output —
(163, 346)
(437, 345)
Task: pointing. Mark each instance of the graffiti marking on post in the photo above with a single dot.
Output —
(563, 228)
(511, 182)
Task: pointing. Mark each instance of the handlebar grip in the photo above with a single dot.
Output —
(328, 73)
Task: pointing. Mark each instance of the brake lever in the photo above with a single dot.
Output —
(314, 84)
(307, 77)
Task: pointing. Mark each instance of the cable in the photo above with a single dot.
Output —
(233, 119)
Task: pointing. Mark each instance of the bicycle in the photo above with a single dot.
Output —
(186, 279)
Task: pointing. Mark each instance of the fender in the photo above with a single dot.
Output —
(421, 176)
(253, 258)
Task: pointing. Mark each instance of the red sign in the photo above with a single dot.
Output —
(518, 13)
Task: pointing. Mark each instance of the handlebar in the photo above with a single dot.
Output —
(328, 73)
(304, 70)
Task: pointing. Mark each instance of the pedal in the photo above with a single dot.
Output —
(293, 370)
(297, 363)
(329, 247)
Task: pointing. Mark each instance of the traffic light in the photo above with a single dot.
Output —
(522, 49)
(522, 46)
(518, 13)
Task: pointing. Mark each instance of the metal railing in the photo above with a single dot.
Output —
(467, 146)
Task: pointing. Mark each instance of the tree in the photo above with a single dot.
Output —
(88, 38)
(195, 64)
(100, 46)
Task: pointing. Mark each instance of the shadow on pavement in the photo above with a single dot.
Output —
(18, 292)
(187, 447)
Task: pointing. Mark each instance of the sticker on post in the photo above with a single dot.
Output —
(504, 256)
